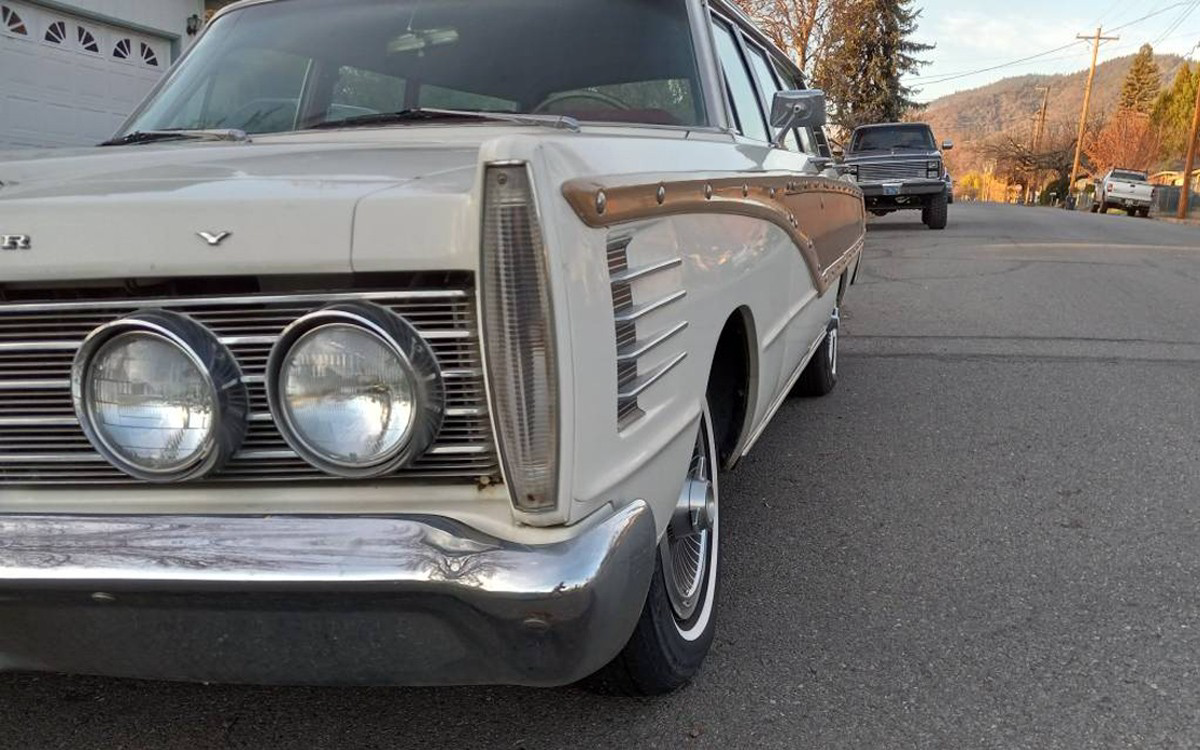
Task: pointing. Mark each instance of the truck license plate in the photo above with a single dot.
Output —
(891, 188)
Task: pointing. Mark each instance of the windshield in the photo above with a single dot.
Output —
(892, 137)
(1122, 174)
(298, 64)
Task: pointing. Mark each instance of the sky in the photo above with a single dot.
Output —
(974, 34)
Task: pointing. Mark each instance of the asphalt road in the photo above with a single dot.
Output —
(988, 536)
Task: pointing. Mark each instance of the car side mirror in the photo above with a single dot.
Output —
(947, 145)
(797, 108)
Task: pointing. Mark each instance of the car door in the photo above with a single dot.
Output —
(800, 153)
(770, 245)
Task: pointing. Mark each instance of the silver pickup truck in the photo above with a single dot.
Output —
(1123, 188)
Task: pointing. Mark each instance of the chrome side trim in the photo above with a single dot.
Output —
(641, 348)
(640, 311)
(651, 378)
(631, 274)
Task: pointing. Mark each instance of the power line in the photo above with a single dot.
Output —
(1151, 14)
(1182, 17)
(933, 79)
(940, 78)
(1111, 8)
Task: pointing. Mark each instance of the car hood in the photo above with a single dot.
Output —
(284, 205)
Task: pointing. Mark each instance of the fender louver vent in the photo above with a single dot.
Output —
(633, 375)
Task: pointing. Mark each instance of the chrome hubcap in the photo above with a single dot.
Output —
(687, 546)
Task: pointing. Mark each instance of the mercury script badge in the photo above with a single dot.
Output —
(214, 238)
(16, 242)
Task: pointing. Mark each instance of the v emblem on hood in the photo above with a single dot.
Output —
(214, 238)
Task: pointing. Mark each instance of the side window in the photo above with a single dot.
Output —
(768, 85)
(746, 104)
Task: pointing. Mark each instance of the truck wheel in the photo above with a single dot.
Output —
(821, 374)
(677, 623)
(935, 213)
(1131, 212)
(1103, 207)
(1144, 213)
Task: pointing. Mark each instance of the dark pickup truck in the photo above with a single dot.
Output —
(898, 166)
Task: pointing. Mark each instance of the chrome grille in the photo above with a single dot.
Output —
(41, 441)
(902, 170)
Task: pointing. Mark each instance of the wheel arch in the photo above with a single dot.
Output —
(734, 374)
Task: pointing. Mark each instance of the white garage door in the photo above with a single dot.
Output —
(69, 81)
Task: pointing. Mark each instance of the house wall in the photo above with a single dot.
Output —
(165, 17)
(72, 70)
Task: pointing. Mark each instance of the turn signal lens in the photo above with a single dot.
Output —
(519, 330)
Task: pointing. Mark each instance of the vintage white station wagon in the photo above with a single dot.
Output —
(401, 342)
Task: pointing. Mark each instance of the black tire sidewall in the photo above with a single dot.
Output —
(658, 659)
(937, 211)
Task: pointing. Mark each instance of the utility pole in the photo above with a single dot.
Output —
(1087, 100)
(1040, 133)
(1190, 160)
(1031, 177)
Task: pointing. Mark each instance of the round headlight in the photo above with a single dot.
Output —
(159, 396)
(355, 390)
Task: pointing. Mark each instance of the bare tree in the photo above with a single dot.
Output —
(801, 27)
(1129, 140)
(1018, 162)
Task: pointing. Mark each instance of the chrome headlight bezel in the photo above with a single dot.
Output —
(416, 358)
(207, 354)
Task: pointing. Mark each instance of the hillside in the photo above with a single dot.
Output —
(969, 117)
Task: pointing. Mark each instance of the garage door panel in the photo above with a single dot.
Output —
(65, 87)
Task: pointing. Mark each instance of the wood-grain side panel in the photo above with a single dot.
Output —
(824, 217)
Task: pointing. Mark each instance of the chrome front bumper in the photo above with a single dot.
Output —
(317, 600)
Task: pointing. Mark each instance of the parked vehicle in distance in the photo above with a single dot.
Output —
(898, 166)
(435, 393)
(1126, 189)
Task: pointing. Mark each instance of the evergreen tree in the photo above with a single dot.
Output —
(870, 51)
(1172, 112)
(1142, 83)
